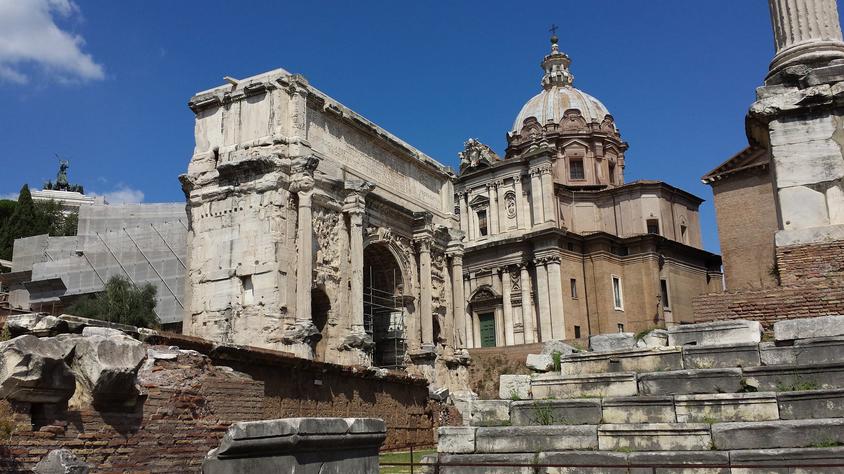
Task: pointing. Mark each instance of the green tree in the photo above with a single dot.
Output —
(121, 302)
(23, 222)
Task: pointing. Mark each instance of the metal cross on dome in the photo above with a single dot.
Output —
(553, 29)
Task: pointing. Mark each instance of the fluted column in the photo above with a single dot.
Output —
(528, 318)
(493, 208)
(536, 195)
(805, 32)
(355, 207)
(507, 307)
(425, 306)
(520, 207)
(545, 333)
(458, 311)
(555, 294)
(467, 314)
(548, 194)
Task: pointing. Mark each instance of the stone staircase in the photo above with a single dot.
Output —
(754, 406)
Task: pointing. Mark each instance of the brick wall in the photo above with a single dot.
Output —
(814, 263)
(770, 304)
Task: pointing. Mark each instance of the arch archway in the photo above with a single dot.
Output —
(383, 305)
(320, 309)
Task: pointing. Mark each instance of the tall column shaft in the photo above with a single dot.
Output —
(520, 206)
(493, 209)
(555, 294)
(507, 307)
(545, 333)
(503, 220)
(459, 303)
(548, 194)
(805, 31)
(464, 215)
(470, 220)
(536, 196)
(528, 318)
(467, 314)
(425, 306)
(356, 260)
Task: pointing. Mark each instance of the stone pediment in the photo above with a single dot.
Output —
(479, 200)
(749, 158)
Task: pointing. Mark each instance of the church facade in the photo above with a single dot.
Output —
(315, 231)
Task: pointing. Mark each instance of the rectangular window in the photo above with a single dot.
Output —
(576, 169)
(683, 234)
(663, 288)
(573, 288)
(570, 246)
(618, 298)
(653, 226)
(482, 229)
(248, 290)
(577, 332)
(620, 327)
(612, 173)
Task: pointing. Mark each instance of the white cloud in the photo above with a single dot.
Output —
(29, 36)
(10, 196)
(122, 195)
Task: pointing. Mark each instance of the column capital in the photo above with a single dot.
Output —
(517, 178)
(423, 242)
(302, 174)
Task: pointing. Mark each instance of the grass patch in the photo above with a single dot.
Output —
(557, 358)
(403, 456)
(826, 443)
(7, 421)
(797, 385)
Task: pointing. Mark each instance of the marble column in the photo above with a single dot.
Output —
(503, 220)
(464, 215)
(507, 307)
(545, 333)
(458, 311)
(528, 318)
(555, 294)
(355, 207)
(467, 314)
(302, 183)
(472, 230)
(548, 197)
(805, 32)
(536, 196)
(425, 305)
(493, 209)
(520, 206)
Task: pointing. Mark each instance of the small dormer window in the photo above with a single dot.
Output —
(576, 169)
(653, 226)
(482, 225)
(612, 173)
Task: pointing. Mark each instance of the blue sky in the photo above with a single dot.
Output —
(105, 83)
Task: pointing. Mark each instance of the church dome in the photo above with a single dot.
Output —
(559, 95)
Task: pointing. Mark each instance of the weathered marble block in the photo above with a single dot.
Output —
(688, 459)
(738, 331)
(776, 458)
(690, 381)
(777, 434)
(823, 326)
(486, 464)
(532, 439)
(811, 404)
(641, 409)
(456, 439)
(577, 459)
(583, 386)
(612, 342)
(628, 360)
(514, 387)
(654, 437)
(794, 378)
(306, 445)
(720, 407)
(486, 412)
(540, 362)
(721, 356)
(556, 412)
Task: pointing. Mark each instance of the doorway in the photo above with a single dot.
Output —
(487, 325)
(383, 305)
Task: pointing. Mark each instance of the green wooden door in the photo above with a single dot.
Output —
(487, 321)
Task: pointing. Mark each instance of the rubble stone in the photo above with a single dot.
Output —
(612, 342)
(107, 366)
(34, 370)
(514, 387)
(823, 326)
(61, 461)
(37, 324)
(738, 331)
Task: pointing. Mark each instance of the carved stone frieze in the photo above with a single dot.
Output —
(328, 227)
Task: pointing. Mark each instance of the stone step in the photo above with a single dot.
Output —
(556, 412)
(654, 437)
(716, 332)
(823, 350)
(722, 356)
(789, 378)
(650, 462)
(630, 360)
(722, 407)
(639, 409)
(555, 385)
(690, 381)
(778, 434)
(811, 404)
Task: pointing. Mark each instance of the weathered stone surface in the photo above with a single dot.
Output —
(612, 342)
(34, 370)
(629, 360)
(778, 434)
(485, 464)
(107, 366)
(578, 386)
(514, 387)
(823, 350)
(61, 461)
(556, 412)
(552, 346)
(655, 338)
(771, 354)
(824, 326)
(77, 324)
(577, 459)
(719, 407)
(641, 409)
(777, 459)
(737, 331)
(690, 381)
(486, 412)
(791, 378)
(721, 356)
(650, 462)
(654, 437)
(540, 362)
(456, 439)
(811, 404)
(308, 445)
(531, 439)
(37, 324)
(102, 331)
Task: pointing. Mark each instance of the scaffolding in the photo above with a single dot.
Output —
(383, 319)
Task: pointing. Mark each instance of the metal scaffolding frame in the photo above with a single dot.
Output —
(379, 310)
